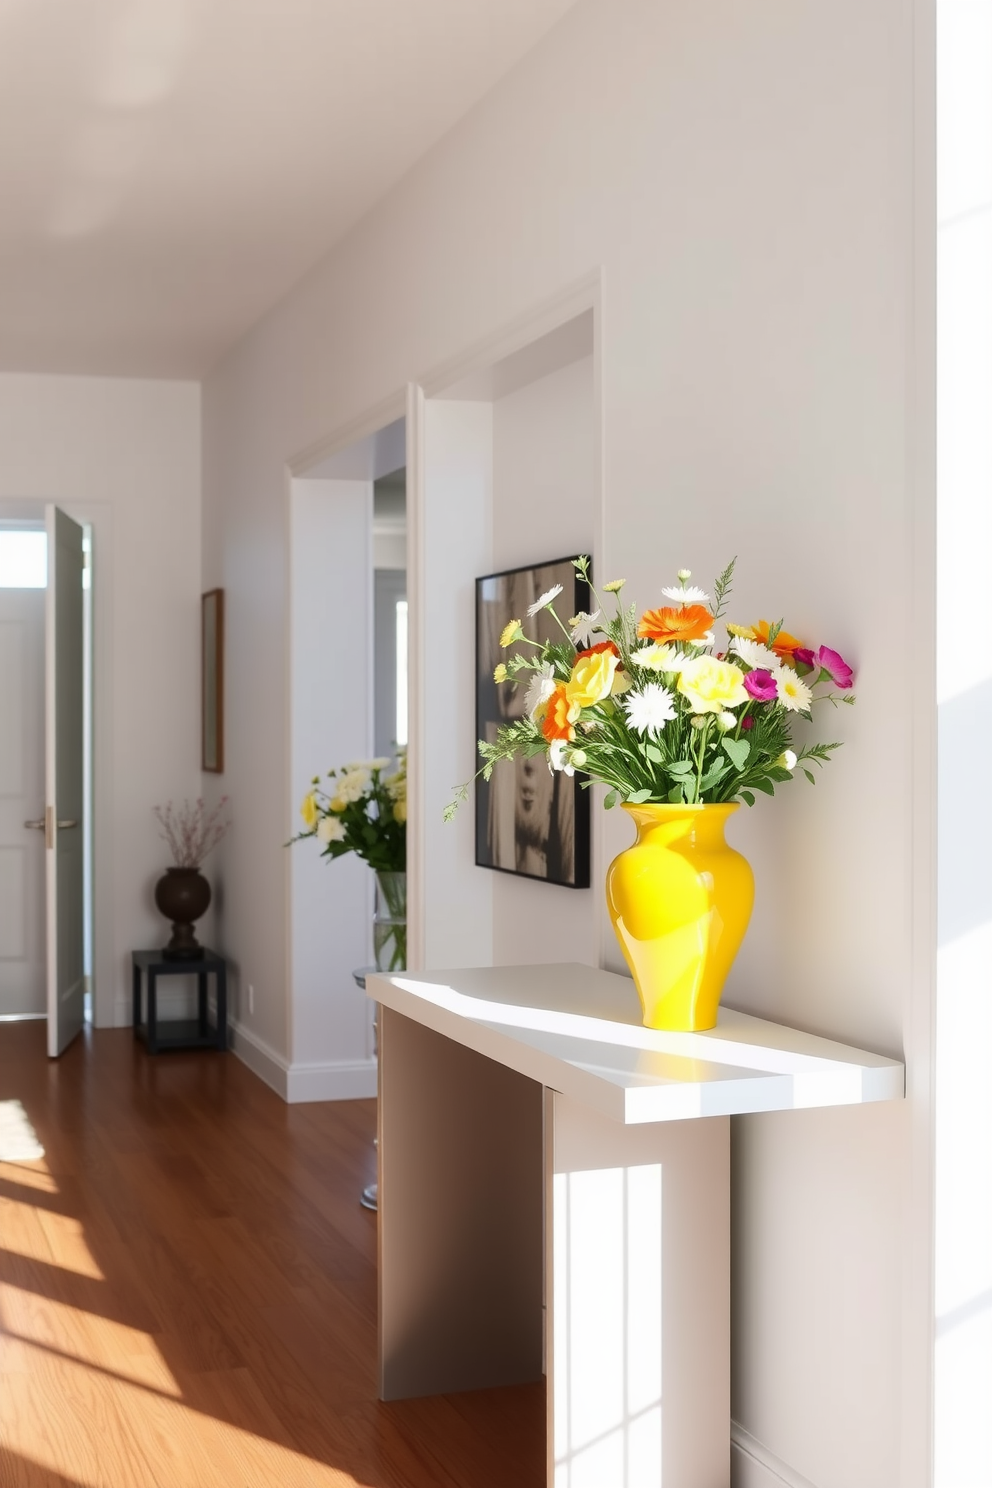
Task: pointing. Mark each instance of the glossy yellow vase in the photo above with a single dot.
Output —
(680, 900)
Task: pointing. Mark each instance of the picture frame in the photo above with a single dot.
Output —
(529, 821)
(212, 681)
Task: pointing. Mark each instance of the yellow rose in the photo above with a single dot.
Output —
(338, 803)
(712, 686)
(591, 679)
(308, 811)
(399, 811)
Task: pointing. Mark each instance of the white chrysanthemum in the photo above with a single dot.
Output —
(687, 596)
(649, 709)
(548, 597)
(657, 658)
(540, 687)
(792, 691)
(353, 784)
(557, 758)
(582, 628)
(787, 760)
(330, 829)
(754, 654)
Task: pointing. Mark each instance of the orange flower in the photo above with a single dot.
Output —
(676, 623)
(560, 717)
(594, 650)
(784, 644)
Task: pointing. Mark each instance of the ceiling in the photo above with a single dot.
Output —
(169, 168)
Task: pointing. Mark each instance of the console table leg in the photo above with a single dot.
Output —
(638, 1258)
(460, 1216)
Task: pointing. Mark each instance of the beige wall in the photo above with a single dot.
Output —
(125, 455)
(744, 177)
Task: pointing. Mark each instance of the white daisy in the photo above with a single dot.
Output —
(582, 628)
(754, 654)
(540, 687)
(649, 709)
(557, 759)
(330, 829)
(687, 596)
(548, 597)
(793, 693)
(657, 658)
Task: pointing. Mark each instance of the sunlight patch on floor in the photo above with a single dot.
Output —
(24, 1176)
(18, 1138)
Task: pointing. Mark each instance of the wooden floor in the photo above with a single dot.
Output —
(188, 1292)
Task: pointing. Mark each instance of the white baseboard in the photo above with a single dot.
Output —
(298, 1083)
(352, 1079)
(260, 1057)
(753, 1466)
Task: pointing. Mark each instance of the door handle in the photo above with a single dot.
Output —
(48, 823)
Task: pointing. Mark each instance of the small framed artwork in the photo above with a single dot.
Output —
(528, 820)
(212, 680)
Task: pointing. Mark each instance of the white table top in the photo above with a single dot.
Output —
(579, 1031)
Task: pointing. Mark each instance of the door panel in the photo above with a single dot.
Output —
(64, 770)
(22, 798)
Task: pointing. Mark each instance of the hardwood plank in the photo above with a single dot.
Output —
(187, 1291)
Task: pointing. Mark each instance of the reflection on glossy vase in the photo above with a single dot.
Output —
(680, 900)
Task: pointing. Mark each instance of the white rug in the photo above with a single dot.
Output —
(18, 1138)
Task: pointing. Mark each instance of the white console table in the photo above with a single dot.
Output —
(554, 1196)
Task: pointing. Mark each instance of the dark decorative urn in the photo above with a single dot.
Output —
(182, 895)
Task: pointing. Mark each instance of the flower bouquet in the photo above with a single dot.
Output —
(363, 810)
(674, 730)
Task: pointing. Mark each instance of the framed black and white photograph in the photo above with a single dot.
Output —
(528, 820)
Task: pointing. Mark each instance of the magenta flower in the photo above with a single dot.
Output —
(835, 667)
(805, 655)
(761, 685)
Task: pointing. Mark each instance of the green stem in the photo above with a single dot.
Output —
(564, 629)
(703, 736)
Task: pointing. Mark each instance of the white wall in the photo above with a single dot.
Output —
(124, 455)
(545, 506)
(963, 1271)
(331, 723)
(744, 177)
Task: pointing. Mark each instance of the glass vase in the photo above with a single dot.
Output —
(389, 922)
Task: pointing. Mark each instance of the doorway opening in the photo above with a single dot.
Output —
(348, 703)
(25, 741)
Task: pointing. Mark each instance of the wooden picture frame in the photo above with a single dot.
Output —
(528, 821)
(212, 681)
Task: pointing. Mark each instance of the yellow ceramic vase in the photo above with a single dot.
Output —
(680, 900)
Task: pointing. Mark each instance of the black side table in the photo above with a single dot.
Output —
(183, 1033)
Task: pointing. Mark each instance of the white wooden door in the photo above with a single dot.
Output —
(22, 801)
(64, 779)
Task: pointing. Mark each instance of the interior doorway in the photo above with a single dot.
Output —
(31, 754)
(348, 702)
